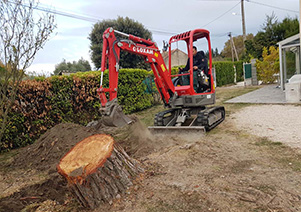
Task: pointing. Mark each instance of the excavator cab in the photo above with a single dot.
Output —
(194, 90)
(194, 82)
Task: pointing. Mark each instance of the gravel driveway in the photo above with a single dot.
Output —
(281, 123)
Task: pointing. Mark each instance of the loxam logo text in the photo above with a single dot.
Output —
(142, 50)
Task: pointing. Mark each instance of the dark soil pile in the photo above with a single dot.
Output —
(45, 154)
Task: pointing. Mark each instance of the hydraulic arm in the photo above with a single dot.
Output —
(138, 46)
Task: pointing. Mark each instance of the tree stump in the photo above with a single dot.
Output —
(97, 170)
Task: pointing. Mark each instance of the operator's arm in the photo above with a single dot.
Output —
(202, 62)
(186, 68)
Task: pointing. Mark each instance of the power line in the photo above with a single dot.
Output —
(222, 14)
(95, 19)
(82, 17)
(56, 12)
(267, 5)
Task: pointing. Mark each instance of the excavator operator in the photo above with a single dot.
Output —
(200, 71)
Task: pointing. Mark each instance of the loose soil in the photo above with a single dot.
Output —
(231, 168)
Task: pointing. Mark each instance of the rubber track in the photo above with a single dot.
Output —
(203, 117)
(158, 120)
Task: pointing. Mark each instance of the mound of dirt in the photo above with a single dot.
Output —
(46, 152)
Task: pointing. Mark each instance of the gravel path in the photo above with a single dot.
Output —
(280, 123)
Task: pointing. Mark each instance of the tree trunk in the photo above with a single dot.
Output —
(97, 170)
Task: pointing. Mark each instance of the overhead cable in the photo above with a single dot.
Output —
(222, 15)
(267, 5)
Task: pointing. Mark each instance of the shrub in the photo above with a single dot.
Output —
(269, 66)
(224, 73)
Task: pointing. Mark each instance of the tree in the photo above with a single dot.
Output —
(269, 66)
(272, 32)
(239, 45)
(127, 25)
(216, 56)
(80, 66)
(21, 37)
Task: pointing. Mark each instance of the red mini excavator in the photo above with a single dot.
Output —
(187, 105)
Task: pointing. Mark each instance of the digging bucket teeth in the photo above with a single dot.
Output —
(113, 115)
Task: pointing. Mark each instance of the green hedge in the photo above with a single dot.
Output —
(224, 72)
(45, 102)
(239, 71)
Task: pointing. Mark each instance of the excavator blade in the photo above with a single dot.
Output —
(176, 129)
(113, 115)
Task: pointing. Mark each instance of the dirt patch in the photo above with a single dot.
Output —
(222, 171)
(228, 169)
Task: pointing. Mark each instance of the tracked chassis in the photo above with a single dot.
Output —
(189, 119)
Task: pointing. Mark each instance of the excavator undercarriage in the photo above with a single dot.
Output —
(191, 119)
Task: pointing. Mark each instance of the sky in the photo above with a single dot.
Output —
(163, 18)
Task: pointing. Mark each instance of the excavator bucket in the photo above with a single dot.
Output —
(113, 115)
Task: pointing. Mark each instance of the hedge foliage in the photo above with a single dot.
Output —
(239, 71)
(44, 102)
(224, 71)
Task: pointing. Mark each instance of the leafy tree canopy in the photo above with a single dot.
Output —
(272, 32)
(80, 66)
(127, 25)
(239, 45)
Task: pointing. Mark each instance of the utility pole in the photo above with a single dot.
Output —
(233, 47)
(299, 30)
(300, 20)
(243, 21)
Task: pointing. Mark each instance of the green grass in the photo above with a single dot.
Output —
(283, 154)
(294, 162)
(223, 94)
(7, 157)
(264, 141)
(147, 116)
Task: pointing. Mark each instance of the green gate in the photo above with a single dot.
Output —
(248, 70)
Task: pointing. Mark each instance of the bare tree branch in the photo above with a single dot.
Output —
(22, 34)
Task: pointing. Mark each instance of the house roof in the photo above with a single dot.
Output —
(165, 54)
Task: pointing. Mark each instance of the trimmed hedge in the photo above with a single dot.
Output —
(239, 71)
(224, 71)
(43, 103)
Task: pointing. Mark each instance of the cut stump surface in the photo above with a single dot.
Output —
(97, 170)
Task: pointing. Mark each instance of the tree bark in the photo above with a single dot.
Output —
(97, 170)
